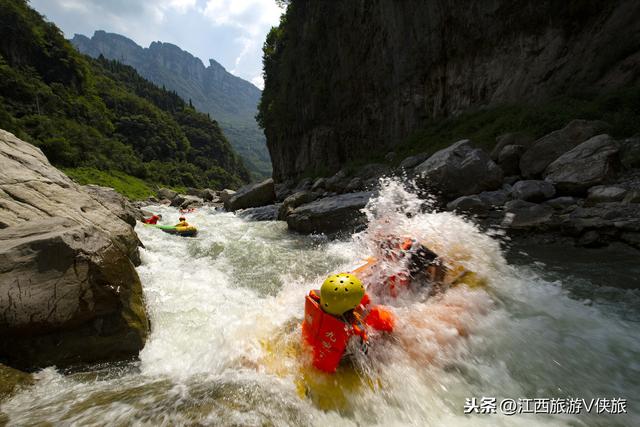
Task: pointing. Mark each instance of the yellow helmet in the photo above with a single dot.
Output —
(340, 293)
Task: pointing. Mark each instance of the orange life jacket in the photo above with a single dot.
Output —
(328, 335)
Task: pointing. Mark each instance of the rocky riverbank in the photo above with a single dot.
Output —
(576, 184)
(69, 292)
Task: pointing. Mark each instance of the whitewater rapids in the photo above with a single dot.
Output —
(214, 300)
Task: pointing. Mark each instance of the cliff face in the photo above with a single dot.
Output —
(348, 78)
(230, 100)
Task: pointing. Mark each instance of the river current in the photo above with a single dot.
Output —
(226, 306)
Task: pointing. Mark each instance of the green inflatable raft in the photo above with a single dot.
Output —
(190, 231)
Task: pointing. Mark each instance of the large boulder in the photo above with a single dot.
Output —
(630, 153)
(338, 182)
(533, 190)
(459, 170)
(119, 205)
(507, 139)
(469, 204)
(225, 196)
(413, 161)
(165, 193)
(331, 214)
(494, 198)
(520, 214)
(68, 295)
(263, 213)
(69, 291)
(253, 196)
(10, 379)
(178, 200)
(191, 202)
(548, 148)
(295, 200)
(509, 159)
(208, 195)
(605, 194)
(591, 163)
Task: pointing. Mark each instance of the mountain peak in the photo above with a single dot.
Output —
(229, 99)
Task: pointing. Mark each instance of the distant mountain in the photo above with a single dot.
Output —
(100, 117)
(230, 100)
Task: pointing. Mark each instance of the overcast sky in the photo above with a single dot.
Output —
(230, 31)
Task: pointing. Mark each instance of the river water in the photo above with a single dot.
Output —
(225, 309)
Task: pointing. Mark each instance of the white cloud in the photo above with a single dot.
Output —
(230, 31)
(258, 81)
(182, 6)
(252, 16)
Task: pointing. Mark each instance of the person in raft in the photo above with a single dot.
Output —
(153, 220)
(183, 222)
(418, 268)
(338, 311)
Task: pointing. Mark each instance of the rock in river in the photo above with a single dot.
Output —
(548, 148)
(591, 163)
(459, 170)
(331, 214)
(252, 196)
(69, 292)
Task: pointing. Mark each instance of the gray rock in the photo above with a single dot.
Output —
(178, 200)
(208, 195)
(459, 170)
(509, 159)
(253, 196)
(304, 185)
(331, 214)
(562, 203)
(468, 204)
(494, 198)
(338, 182)
(10, 379)
(283, 190)
(262, 213)
(119, 205)
(548, 148)
(521, 214)
(354, 185)
(165, 193)
(515, 138)
(69, 291)
(191, 202)
(605, 194)
(194, 192)
(413, 161)
(630, 153)
(226, 195)
(295, 200)
(320, 184)
(533, 190)
(632, 197)
(591, 163)
(152, 199)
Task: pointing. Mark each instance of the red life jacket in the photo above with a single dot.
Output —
(325, 334)
(153, 220)
(328, 336)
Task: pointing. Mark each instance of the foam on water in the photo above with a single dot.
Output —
(214, 300)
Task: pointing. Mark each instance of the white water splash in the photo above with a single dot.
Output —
(214, 300)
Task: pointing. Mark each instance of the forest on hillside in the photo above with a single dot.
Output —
(97, 114)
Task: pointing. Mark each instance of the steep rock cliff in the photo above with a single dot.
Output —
(347, 78)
